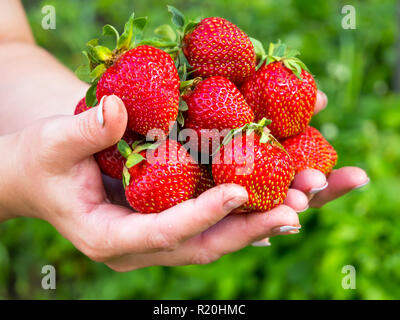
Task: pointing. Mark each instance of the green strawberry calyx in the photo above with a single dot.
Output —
(279, 52)
(133, 156)
(186, 88)
(169, 38)
(259, 128)
(99, 57)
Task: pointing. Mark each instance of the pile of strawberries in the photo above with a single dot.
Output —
(239, 114)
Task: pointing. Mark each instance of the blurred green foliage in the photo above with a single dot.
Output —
(356, 70)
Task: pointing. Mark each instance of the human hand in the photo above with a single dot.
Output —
(311, 188)
(51, 175)
(314, 184)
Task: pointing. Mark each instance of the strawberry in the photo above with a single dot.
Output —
(81, 106)
(158, 176)
(210, 47)
(109, 160)
(283, 91)
(144, 77)
(215, 103)
(205, 181)
(254, 159)
(309, 149)
(217, 47)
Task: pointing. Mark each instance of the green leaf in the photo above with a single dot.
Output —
(290, 64)
(183, 60)
(97, 72)
(292, 53)
(138, 28)
(182, 70)
(124, 148)
(126, 177)
(258, 48)
(158, 43)
(301, 64)
(190, 26)
(90, 98)
(101, 53)
(264, 137)
(178, 18)
(92, 43)
(180, 119)
(146, 146)
(133, 159)
(136, 143)
(279, 50)
(166, 32)
(124, 41)
(264, 122)
(83, 73)
(109, 30)
(183, 106)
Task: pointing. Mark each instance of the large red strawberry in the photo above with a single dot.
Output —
(157, 179)
(144, 77)
(252, 158)
(217, 47)
(210, 47)
(282, 91)
(309, 149)
(215, 105)
(109, 160)
(206, 180)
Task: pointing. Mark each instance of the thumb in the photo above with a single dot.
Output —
(91, 131)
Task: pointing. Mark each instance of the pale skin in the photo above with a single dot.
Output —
(47, 172)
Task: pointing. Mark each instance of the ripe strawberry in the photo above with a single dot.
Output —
(109, 160)
(159, 179)
(216, 47)
(81, 106)
(144, 77)
(253, 158)
(205, 181)
(310, 150)
(215, 103)
(147, 81)
(282, 91)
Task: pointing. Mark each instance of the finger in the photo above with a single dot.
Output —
(230, 234)
(297, 200)
(309, 181)
(340, 182)
(262, 243)
(82, 135)
(321, 102)
(122, 232)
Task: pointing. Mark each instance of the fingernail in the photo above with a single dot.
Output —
(100, 117)
(262, 243)
(316, 190)
(286, 229)
(305, 209)
(362, 185)
(235, 198)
